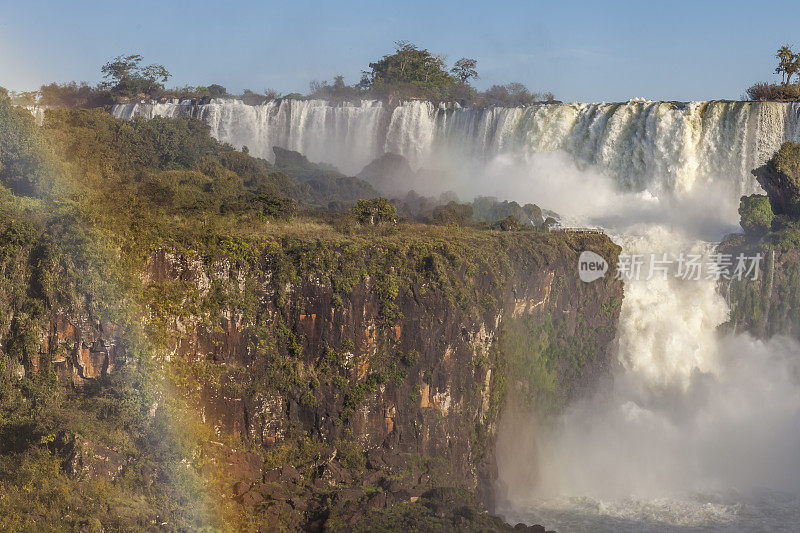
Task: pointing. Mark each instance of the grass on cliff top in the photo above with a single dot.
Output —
(341, 229)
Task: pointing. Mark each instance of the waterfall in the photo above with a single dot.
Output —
(697, 422)
(645, 145)
(701, 429)
(38, 113)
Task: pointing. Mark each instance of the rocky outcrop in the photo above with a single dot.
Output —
(78, 349)
(84, 459)
(780, 178)
(390, 174)
(770, 304)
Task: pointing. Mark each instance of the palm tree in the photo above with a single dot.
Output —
(793, 68)
(786, 63)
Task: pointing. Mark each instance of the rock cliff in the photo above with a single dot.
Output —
(385, 357)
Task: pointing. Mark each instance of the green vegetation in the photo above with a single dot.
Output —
(57, 260)
(414, 72)
(127, 78)
(374, 212)
(410, 72)
(98, 215)
(464, 69)
(780, 178)
(513, 94)
(484, 211)
(318, 184)
(770, 305)
(788, 66)
(546, 358)
(756, 214)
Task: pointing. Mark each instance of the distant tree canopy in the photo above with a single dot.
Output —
(337, 90)
(217, 91)
(464, 69)
(788, 66)
(413, 72)
(374, 212)
(788, 63)
(514, 94)
(126, 76)
(25, 166)
(410, 71)
(72, 95)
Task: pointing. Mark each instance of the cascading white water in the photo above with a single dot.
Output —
(38, 113)
(346, 136)
(642, 144)
(701, 431)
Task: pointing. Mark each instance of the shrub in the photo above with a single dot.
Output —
(453, 213)
(507, 224)
(73, 95)
(374, 212)
(773, 91)
(756, 214)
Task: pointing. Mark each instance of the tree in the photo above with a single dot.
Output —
(72, 95)
(464, 69)
(216, 90)
(26, 165)
(514, 94)
(453, 213)
(126, 77)
(788, 63)
(410, 71)
(793, 68)
(337, 90)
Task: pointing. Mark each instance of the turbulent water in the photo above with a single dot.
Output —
(702, 430)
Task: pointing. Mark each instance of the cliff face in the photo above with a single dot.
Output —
(386, 354)
(780, 178)
(770, 304)
(344, 379)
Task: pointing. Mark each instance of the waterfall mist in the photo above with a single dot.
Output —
(642, 145)
(698, 425)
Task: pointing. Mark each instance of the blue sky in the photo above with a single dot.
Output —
(589, 51)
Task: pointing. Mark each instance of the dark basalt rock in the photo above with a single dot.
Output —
(780, 178)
